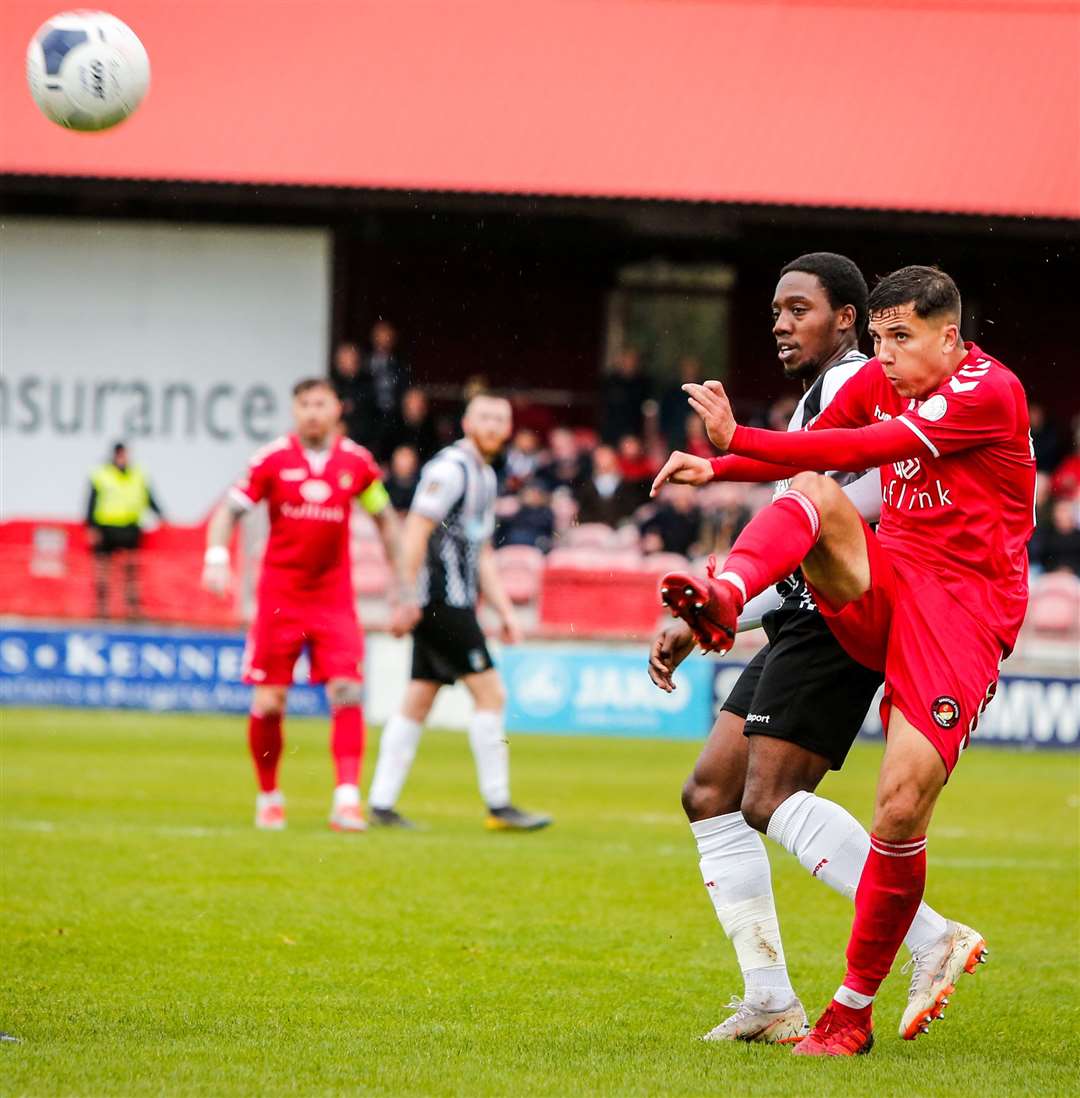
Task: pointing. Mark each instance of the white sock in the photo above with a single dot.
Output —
(735, 869)
(397, 749)
(492, 754)
(832, 845)
(346, 796)
(265, 800)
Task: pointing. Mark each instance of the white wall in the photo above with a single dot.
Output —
(181, 339)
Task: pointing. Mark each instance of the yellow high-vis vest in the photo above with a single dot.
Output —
(122, 495)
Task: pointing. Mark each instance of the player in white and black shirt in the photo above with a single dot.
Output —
(449, 561)
(798, 706)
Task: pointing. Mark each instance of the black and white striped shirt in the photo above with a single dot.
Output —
(457, 492)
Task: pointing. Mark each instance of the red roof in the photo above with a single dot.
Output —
(925, 105)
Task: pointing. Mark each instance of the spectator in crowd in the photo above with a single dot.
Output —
(533, 523)
(538, 418)
(522, 459)
(605, 496)
(1045, 439)
(697, 441)
(351, 389)
(636, 467)
(780, 413)
(403, 478)
(118, 501)
(417, 426)
(674, 524)
(563, 466)
(673, 418)
(1056, 548)
(625, 390)
(1066, 478)
(387, 377)
(726, 516)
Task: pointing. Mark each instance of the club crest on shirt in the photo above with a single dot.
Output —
(316, 491)
(945, 711)
(345, 481)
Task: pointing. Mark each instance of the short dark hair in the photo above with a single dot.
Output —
(842, 281)
(308, 383)
(928, 289)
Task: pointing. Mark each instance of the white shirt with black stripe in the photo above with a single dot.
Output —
(457, 492)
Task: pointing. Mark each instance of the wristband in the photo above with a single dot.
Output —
(216, 554)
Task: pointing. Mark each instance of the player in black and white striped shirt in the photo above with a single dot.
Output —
(448, 558)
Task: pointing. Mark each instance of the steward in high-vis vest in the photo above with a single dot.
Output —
(119, 498)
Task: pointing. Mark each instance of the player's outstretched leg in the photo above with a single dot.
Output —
(265, 742)
(772, 546)
(491, 752)
(347, 749)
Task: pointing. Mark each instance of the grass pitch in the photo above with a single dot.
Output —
(154, 943)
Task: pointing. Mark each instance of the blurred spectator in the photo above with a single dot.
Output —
(697, 441)
(533, 523)
(1058, 548)
(387, 377)
(118, 501)
(522, 459)
(636, 467)
(624, 392)
(417, 427)
(352, 390)
(780, 413)
(726, 515)
(563, 467)
(674, 525)
(403, 478)
(1045, 438)
(673, 406)
(1066, 479)
(604, 496)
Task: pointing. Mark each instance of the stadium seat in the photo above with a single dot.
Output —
(371, 572)
(590, 535)
(521, 569)
(627, 536)
(657, 564)
(1055, 605)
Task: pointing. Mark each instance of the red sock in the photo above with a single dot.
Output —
(774, 542)
(347, 743)
(264, 739)
(889, 893)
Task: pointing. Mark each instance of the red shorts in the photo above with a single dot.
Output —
(282, 628)
(940, 663)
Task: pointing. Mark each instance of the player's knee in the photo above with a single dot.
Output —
(758, 806)
(343, 692)
(822, 491)
(268, 702)
(702, 800)
(899, 814)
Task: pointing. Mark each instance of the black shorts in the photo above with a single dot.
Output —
(448, 644)
(113, 538)
(804, 688)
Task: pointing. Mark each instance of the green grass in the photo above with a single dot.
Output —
(153, 943)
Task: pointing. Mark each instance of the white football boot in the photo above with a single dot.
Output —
(346, 812)
(270, 811)
(772, 1027)
(936, 971)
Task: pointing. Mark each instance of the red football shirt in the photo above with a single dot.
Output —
(310, 501)
(958, 492)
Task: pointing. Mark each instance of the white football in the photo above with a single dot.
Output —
(87, 70)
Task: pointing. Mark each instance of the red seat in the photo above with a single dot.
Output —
(521, 569)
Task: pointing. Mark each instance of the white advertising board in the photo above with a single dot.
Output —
(182, 340)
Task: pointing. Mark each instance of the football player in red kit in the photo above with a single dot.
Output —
(309, 480)
(934, 598)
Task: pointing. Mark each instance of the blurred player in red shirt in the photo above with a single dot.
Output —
(309, 480)
(934, 599)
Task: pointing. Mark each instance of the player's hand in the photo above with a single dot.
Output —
(511, 631)
(403, 619)
(683, 468)
(670, 647)
(217, 579)
(711, 403)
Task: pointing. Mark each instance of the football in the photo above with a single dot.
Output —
(87, 70)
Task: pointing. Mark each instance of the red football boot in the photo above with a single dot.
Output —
(709, 606)
(840, 1031)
